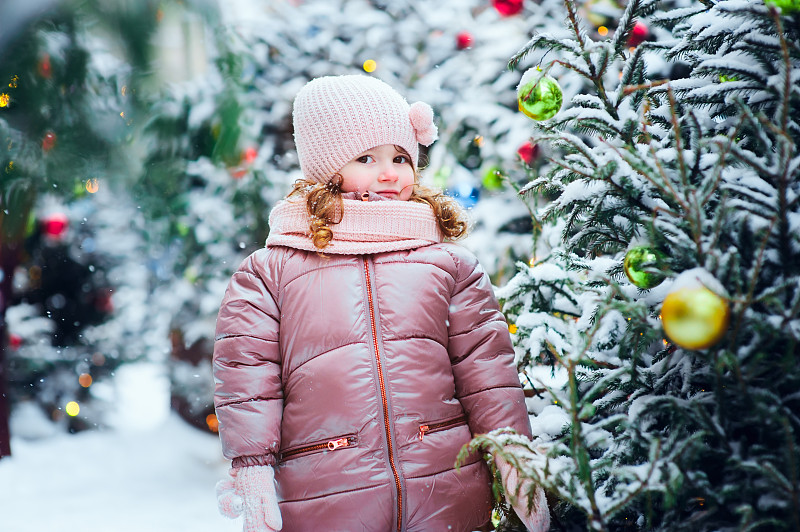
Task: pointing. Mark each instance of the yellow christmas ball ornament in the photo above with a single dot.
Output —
(693, 316)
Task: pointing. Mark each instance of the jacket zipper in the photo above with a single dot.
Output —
(440, 425)
(331, 445)
(383, 398)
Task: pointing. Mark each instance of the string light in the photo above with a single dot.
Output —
(370, 65)
(5, 99)
(602, 31)
(212, 422)
(85, 380)
(48, 141)
(92, 185)
(72, 409)
(512, 328)
(34, 273)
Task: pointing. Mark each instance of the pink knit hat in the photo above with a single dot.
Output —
(338, 117)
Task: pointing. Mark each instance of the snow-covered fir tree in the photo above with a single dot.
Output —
(672, 305)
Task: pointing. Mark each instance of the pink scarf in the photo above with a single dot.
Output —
(375, 226)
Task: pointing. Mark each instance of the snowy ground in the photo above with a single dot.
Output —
(155, 477)
(159, 480)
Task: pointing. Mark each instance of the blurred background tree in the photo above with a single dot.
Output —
(451, 54)
(78, 79)
(63, 123)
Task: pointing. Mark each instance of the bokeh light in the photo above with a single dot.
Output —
(72, 409)
(212, 422)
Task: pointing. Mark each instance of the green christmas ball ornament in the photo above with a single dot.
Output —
(493, 178)
(787, 6)
(539, 97)
(639, 264)
(442, 177)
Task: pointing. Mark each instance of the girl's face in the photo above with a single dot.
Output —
(385, 170)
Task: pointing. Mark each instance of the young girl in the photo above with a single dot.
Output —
(357, 353)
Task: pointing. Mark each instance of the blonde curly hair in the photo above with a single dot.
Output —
(325, 207)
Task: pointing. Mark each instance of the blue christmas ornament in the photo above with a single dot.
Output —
(465, 193)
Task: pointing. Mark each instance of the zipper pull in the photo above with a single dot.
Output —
(335, 444)
(365, 196)
(422, 430)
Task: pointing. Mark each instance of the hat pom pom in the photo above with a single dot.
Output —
(421, 116)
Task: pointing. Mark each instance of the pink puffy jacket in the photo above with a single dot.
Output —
(360, 377)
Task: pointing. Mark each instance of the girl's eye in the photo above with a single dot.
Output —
(366, 159)
(401, 159)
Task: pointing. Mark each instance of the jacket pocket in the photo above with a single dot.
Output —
(341, 442)
(429, 428)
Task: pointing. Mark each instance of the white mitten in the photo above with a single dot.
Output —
(251, 491)
(536, 518)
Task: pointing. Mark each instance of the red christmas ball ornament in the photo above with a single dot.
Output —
(237, 172)
(48, 141)
(528, 152)
(44, 67)
(507, 8)
(14, 341)
(245, 161)
(104, 303)
(464, 40)
(249, 155)
(639, 34)
(55, 225)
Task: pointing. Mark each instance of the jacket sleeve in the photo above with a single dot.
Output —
(248, 395)
(481, 354)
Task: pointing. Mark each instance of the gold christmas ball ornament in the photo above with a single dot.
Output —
(539, 97)
(693, 316)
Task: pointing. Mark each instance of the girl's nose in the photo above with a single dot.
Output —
(387, 174)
